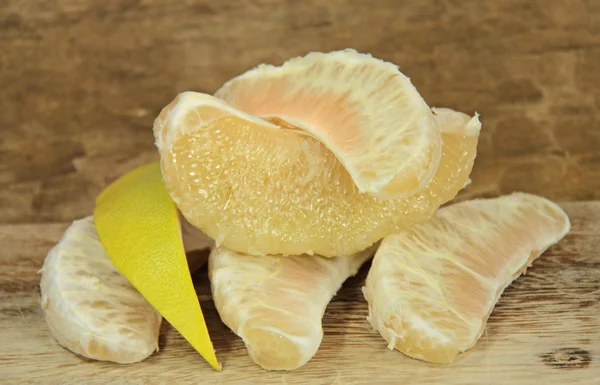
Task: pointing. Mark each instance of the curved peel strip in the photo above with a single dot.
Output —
(90, 308)
(264, 190)
(361, 108)
(138, 226)
(432, 287)
(275, 304)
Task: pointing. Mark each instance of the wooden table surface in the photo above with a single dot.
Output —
(81, 82)
(545, 329)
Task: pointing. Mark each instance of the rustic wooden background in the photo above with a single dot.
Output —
(82, 80)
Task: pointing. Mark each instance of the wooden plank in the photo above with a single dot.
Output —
(82, 81)
(545, 329)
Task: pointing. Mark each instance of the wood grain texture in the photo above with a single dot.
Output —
(82, 81)
(545, 329)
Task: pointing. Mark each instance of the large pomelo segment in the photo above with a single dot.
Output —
(275, 304)
(260, 189)
(432, 287)
(361, 108)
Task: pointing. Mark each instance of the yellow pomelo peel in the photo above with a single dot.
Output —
(138, 225)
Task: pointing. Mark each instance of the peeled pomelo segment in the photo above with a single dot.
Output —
(275, 304)
(138, 225)
(90, 308)
(361, 108)
(432, 287)
(263, 190)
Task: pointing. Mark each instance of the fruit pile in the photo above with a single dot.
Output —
(298, 175)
